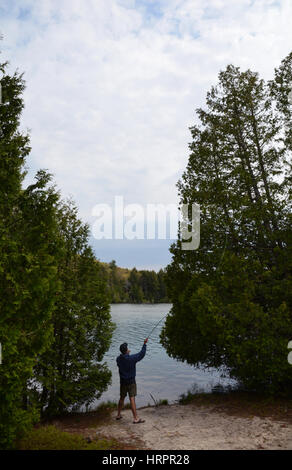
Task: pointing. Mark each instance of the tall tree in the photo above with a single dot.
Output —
(231, 300)
(149, 285)
(70, 373)
(135, 290)
(28, 271)
(162, 293)
(52, 290)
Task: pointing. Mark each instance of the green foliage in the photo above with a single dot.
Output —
(133, 286)
(106, 405)
(28, 271)
(135, 290)
(51, 438)
(55, 324)
(232, 297)
(111, 405)
(160, 402)
(70, 373)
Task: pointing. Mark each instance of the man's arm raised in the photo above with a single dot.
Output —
(137, 357)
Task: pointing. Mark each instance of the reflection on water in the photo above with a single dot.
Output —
(157, 374)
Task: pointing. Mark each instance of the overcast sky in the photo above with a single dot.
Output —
(112, 88)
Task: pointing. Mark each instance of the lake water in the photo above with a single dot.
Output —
(157, 374)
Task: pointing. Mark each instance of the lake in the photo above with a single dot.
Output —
(157, 374)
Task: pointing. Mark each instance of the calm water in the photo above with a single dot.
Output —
(157, 373)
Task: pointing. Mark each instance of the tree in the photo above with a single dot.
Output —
(149, 285)
(28, 271)
(162, 293)
(52, 289)
(70, 373)
(232, 297)
(281, 92)
(134, 286)
(117, 284)
(135, 290)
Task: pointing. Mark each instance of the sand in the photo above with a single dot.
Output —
(186, 427)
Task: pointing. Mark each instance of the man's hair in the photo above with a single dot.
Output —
(124, 348)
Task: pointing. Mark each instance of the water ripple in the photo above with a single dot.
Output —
(157, 373)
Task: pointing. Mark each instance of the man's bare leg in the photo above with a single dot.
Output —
(120, 407)
(133, 408)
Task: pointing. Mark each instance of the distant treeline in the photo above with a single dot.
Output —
(133, 286)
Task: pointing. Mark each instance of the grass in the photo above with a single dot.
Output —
(107, 405)
(77, 431)
(50, 438)
(161, 402)
(73, 431)
(111, 405)
(158, 402)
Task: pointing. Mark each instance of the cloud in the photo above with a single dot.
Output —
(112, 86)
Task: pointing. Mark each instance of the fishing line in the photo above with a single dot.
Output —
(157, 325)
(217, 270)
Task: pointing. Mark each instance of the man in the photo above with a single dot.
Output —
(127, 370)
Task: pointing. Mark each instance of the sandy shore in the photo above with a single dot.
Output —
(177, 427)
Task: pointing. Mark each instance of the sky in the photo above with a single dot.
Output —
(112, 87)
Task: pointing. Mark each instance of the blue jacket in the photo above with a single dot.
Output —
(127, 365)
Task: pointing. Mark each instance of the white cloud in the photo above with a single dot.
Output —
(112, 86)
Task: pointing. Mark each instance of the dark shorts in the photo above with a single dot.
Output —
(131, 389)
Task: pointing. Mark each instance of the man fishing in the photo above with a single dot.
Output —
(127, 370)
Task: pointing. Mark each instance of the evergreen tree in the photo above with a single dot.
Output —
(28, 271)
(149, 285)
(117, 285)
(162, 293)
(135, 290)
(232, 297)
(70, 373)
(52, 289)
(134, 286)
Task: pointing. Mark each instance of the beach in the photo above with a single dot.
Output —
(177, 427)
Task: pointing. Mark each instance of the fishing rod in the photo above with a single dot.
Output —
(157, 325)
(217, 270)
